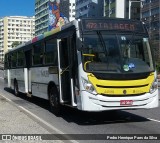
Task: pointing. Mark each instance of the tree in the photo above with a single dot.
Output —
(15, 44)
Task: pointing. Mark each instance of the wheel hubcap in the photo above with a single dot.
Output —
(52, 98)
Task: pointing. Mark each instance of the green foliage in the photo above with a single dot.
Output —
(15, 44)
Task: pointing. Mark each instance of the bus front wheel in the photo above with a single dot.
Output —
(54, 100)
(16, 91)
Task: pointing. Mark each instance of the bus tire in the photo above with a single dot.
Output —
(16, 91)
(54, 100)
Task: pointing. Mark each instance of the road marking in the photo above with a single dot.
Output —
(6, 98)
(47, 124)
(153, 120)
(41, 120)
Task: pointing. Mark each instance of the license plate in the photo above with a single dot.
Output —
(126, 102)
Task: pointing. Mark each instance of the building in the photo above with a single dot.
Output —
(135, 9)
(89, 8)
(50, 14)
(15, 28)
(122, 8)
(114, 8)
(151, 17)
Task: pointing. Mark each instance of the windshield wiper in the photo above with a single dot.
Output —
(103, 44)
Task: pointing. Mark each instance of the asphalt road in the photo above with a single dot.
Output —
(73, 121)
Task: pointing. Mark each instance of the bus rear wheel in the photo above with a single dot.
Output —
(16, 91)
(54, 100)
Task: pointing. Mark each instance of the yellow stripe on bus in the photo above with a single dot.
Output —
(121, 87)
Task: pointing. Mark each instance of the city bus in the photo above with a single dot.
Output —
(90, 64)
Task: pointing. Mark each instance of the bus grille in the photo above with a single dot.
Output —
(122, 95)
(136, 86)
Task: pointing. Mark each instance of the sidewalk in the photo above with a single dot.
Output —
(14, 121)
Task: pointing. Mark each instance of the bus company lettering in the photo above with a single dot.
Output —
(44, 73)
(111, 26)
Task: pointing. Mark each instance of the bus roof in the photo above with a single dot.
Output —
(44, 35)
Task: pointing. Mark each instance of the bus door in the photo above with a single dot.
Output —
(65, 71)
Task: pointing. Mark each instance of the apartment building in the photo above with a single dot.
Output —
(89, 8)
(151, 17)
(117, 8)
(50, 14)
(129, 9)
(15, 28)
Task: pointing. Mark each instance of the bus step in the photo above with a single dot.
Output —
(66, 102)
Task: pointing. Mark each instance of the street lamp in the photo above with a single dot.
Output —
(130, 4)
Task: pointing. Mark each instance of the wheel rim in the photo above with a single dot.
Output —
(16, 89)
(53, 98)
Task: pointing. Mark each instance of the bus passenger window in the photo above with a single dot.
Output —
(6, 62)
(14, 60)
(20, 58)
(38, 54)
(51, 55)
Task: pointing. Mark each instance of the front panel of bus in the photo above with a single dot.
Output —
(118, 71)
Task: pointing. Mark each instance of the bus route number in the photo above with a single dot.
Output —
(91, 25)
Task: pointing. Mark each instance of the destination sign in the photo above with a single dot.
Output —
(112, 24)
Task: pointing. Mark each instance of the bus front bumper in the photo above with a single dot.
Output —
(102, 103)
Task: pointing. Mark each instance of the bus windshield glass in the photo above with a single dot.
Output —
(116, 53)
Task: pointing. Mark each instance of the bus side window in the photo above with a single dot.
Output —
(20, 58)
(6, 64)
(38, 54)
(51, 55)
(9, 60)
(64, 52)
(28, 58)
(14, 60)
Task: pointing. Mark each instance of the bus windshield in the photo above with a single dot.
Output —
(116, 53)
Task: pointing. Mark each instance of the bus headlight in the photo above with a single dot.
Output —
(154, 86)
(88, 86)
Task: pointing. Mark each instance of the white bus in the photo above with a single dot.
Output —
(90, 64)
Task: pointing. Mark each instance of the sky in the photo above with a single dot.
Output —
(17, 8)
